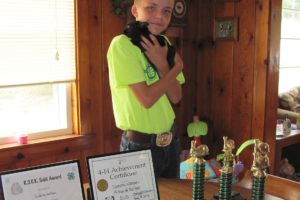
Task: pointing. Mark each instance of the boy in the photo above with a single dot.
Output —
(141, 95)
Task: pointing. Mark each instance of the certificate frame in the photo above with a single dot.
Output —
(103, 187)
(38, 168)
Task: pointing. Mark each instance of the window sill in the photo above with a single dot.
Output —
(45, 141)
(45, 151)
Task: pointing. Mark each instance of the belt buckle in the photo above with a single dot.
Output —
(164, 139)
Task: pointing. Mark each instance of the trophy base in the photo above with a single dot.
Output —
(234, 196)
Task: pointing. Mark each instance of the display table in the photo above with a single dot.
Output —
(276, 188)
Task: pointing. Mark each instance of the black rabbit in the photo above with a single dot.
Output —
(135, 29)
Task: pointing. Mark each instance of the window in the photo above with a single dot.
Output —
(37, 67)
(289, 45)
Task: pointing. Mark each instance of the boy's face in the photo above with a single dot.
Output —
(157, 13)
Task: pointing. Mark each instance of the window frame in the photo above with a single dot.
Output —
(72, 97)
(283, 85)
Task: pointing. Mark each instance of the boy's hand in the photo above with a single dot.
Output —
(156, 53)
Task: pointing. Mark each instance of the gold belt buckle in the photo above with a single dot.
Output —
(164, 139)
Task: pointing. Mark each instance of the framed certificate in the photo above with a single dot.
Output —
(125, 175)
(59, 181)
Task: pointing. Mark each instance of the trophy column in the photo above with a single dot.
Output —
(198, 153)
(259, 169)
(225, 191)
(227, 170)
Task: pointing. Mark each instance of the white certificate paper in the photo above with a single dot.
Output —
(53, 182)
(123, 176)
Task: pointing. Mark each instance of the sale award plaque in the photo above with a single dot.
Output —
(59, 181)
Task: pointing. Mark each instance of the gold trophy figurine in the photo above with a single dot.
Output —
(228, 155)
(261, 159)
(198, 153)
(259, 169)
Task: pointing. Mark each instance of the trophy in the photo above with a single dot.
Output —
(259, 168)
(198, 153)
(227, 173)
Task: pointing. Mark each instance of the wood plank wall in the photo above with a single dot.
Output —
(227, 82)
(240, 85)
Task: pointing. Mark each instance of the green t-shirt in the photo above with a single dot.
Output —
(128, 65)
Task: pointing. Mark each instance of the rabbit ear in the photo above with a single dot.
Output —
(161, 40)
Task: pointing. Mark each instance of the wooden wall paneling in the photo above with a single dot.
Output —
(83, 164)
(204, 66)
(222, 82)
(260, 68)
(251, 86)
(222, 93)
(189, 54)
(243, 77)
(273, 78)
(22, 164)
(41, 153)
(224, 9)
(96, 56)
(11, 158)
(51, 149)
(112, 25)
(7, 167)
(43, 160)
(68, 156)
(83, 67)
(205, 48)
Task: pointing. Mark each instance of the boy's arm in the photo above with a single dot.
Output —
(174, 92)
(158, 54)
(149, 94)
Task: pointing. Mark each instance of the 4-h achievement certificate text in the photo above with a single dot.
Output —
(126, 176)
